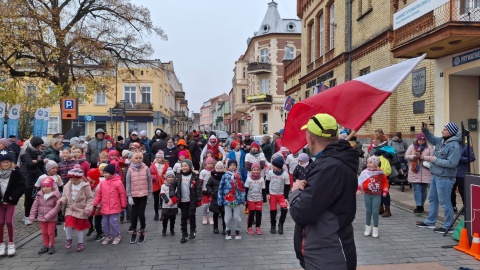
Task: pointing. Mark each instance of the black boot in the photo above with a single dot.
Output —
(273, 229)
(418, 210)
(164, 231)
(193, 233)
(155, 217)
(273, 221)
(184, 238)
(280, 228)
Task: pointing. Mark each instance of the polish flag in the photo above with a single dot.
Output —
(352, 103)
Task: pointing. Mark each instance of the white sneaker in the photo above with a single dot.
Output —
(204, 221)
(210, 220)
(375, 232)
(26, 221)
(11, 250)
(2, 249)
(368, 230)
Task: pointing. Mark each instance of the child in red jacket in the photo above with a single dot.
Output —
(46, 210)
(158, 170)
(95, 218)
(374, 183)
(113, 198)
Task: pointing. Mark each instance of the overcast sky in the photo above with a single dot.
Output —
(205, 38)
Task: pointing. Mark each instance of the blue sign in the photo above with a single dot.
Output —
(88, 118)
(466, 58)
(68, 104)
(289, 102)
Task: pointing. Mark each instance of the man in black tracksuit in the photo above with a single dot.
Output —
(323, 207)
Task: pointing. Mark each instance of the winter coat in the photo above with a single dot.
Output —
(462, 167)
(400, 147)
(45, 210)
(84, 165)
(52, 154)
(241, 167)
(195, 152)
(64, 167)
(84, 200)
(15, 149)
(267, 151)
(146, 142)
(111, 195)
(447, 154)
(15, 188)
(158, 177)
(161, 144)
(31, 171)
(212, 189)
(95, 146)
(423, 176)
(195, 189)
(324, 211)
(119, 147)
(138, 182)
(155, 137)
(171, 155)
(226, 186)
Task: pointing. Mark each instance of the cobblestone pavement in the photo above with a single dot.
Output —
(400, 242)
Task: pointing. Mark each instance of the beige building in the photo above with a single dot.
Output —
(258, 87)
(142, 98)
(341, 42)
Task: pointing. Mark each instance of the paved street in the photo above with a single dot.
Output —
(400, 242)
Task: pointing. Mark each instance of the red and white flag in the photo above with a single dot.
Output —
(352, 103)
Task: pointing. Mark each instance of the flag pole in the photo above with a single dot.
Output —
(351, 135)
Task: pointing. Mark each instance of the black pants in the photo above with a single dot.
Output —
(460, 183)
(96, 221)
(187, 214)
(257, 215)
(170, 218)
(273, 216)
(216, 215)
(156, 201)
(28, 201)
(138, 212)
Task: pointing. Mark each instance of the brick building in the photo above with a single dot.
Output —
(342, 40)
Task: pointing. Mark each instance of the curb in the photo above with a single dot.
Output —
(28, 239)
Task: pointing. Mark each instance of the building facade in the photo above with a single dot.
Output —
(342, 40)
(140, 98)
(258, 86)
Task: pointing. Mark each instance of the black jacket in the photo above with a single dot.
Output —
(15, 149)
(212, 189)
(31, 171)
(159, 144)
(171, 155)
(15, 188)
(324, 211)
(195, 189)
(195, 152)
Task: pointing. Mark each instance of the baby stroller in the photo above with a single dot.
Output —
(402, 177)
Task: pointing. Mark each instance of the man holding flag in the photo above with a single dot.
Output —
(324, 207)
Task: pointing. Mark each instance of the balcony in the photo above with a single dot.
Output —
(259, 68)
(259, 99)
(179, 95)
(446, 30)
(180, 114)
(184, 103)
(135, 106)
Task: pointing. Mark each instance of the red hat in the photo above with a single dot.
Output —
(247, 134)
(255, 144)
(94, 174)
(239, 135)
(234, 144)
(76, 172)
(48, 182)
(112, 153)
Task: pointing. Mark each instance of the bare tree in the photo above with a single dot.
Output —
(73, 42)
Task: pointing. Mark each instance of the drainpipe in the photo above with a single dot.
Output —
(349, 41)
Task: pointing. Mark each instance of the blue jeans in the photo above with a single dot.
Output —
(420, 193)
(372, 203)
(440, 191)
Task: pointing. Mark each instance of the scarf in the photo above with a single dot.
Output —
(278, 173)
(186, 173)
(415, 165)
(255, 176)
(136, 166)
(170, 147)
(255, 154)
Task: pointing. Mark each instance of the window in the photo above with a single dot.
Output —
(321, 38)
(468, 7)
(244, 99)
(312, 43)
(332, 83)
(291, 27)
(331, 25)
(307, 94)
(101, 124)
(244, 73)
(130, 93)
(264, 86)
(264, 55)
(364, 8)
(53, 125)
(81, 95)
(146, 92)
(101, 95)
(289, 53)
(364, 71)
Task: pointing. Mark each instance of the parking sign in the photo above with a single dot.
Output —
(69, 108)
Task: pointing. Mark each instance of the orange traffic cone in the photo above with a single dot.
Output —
(464, 243)
(475, 248)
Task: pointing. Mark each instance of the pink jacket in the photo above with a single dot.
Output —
(85, 167)
(111, 195)
(45, 210)
(423, 176)
(84, 200)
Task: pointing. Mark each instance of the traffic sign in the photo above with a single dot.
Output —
(69, 107)
(117, 110)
